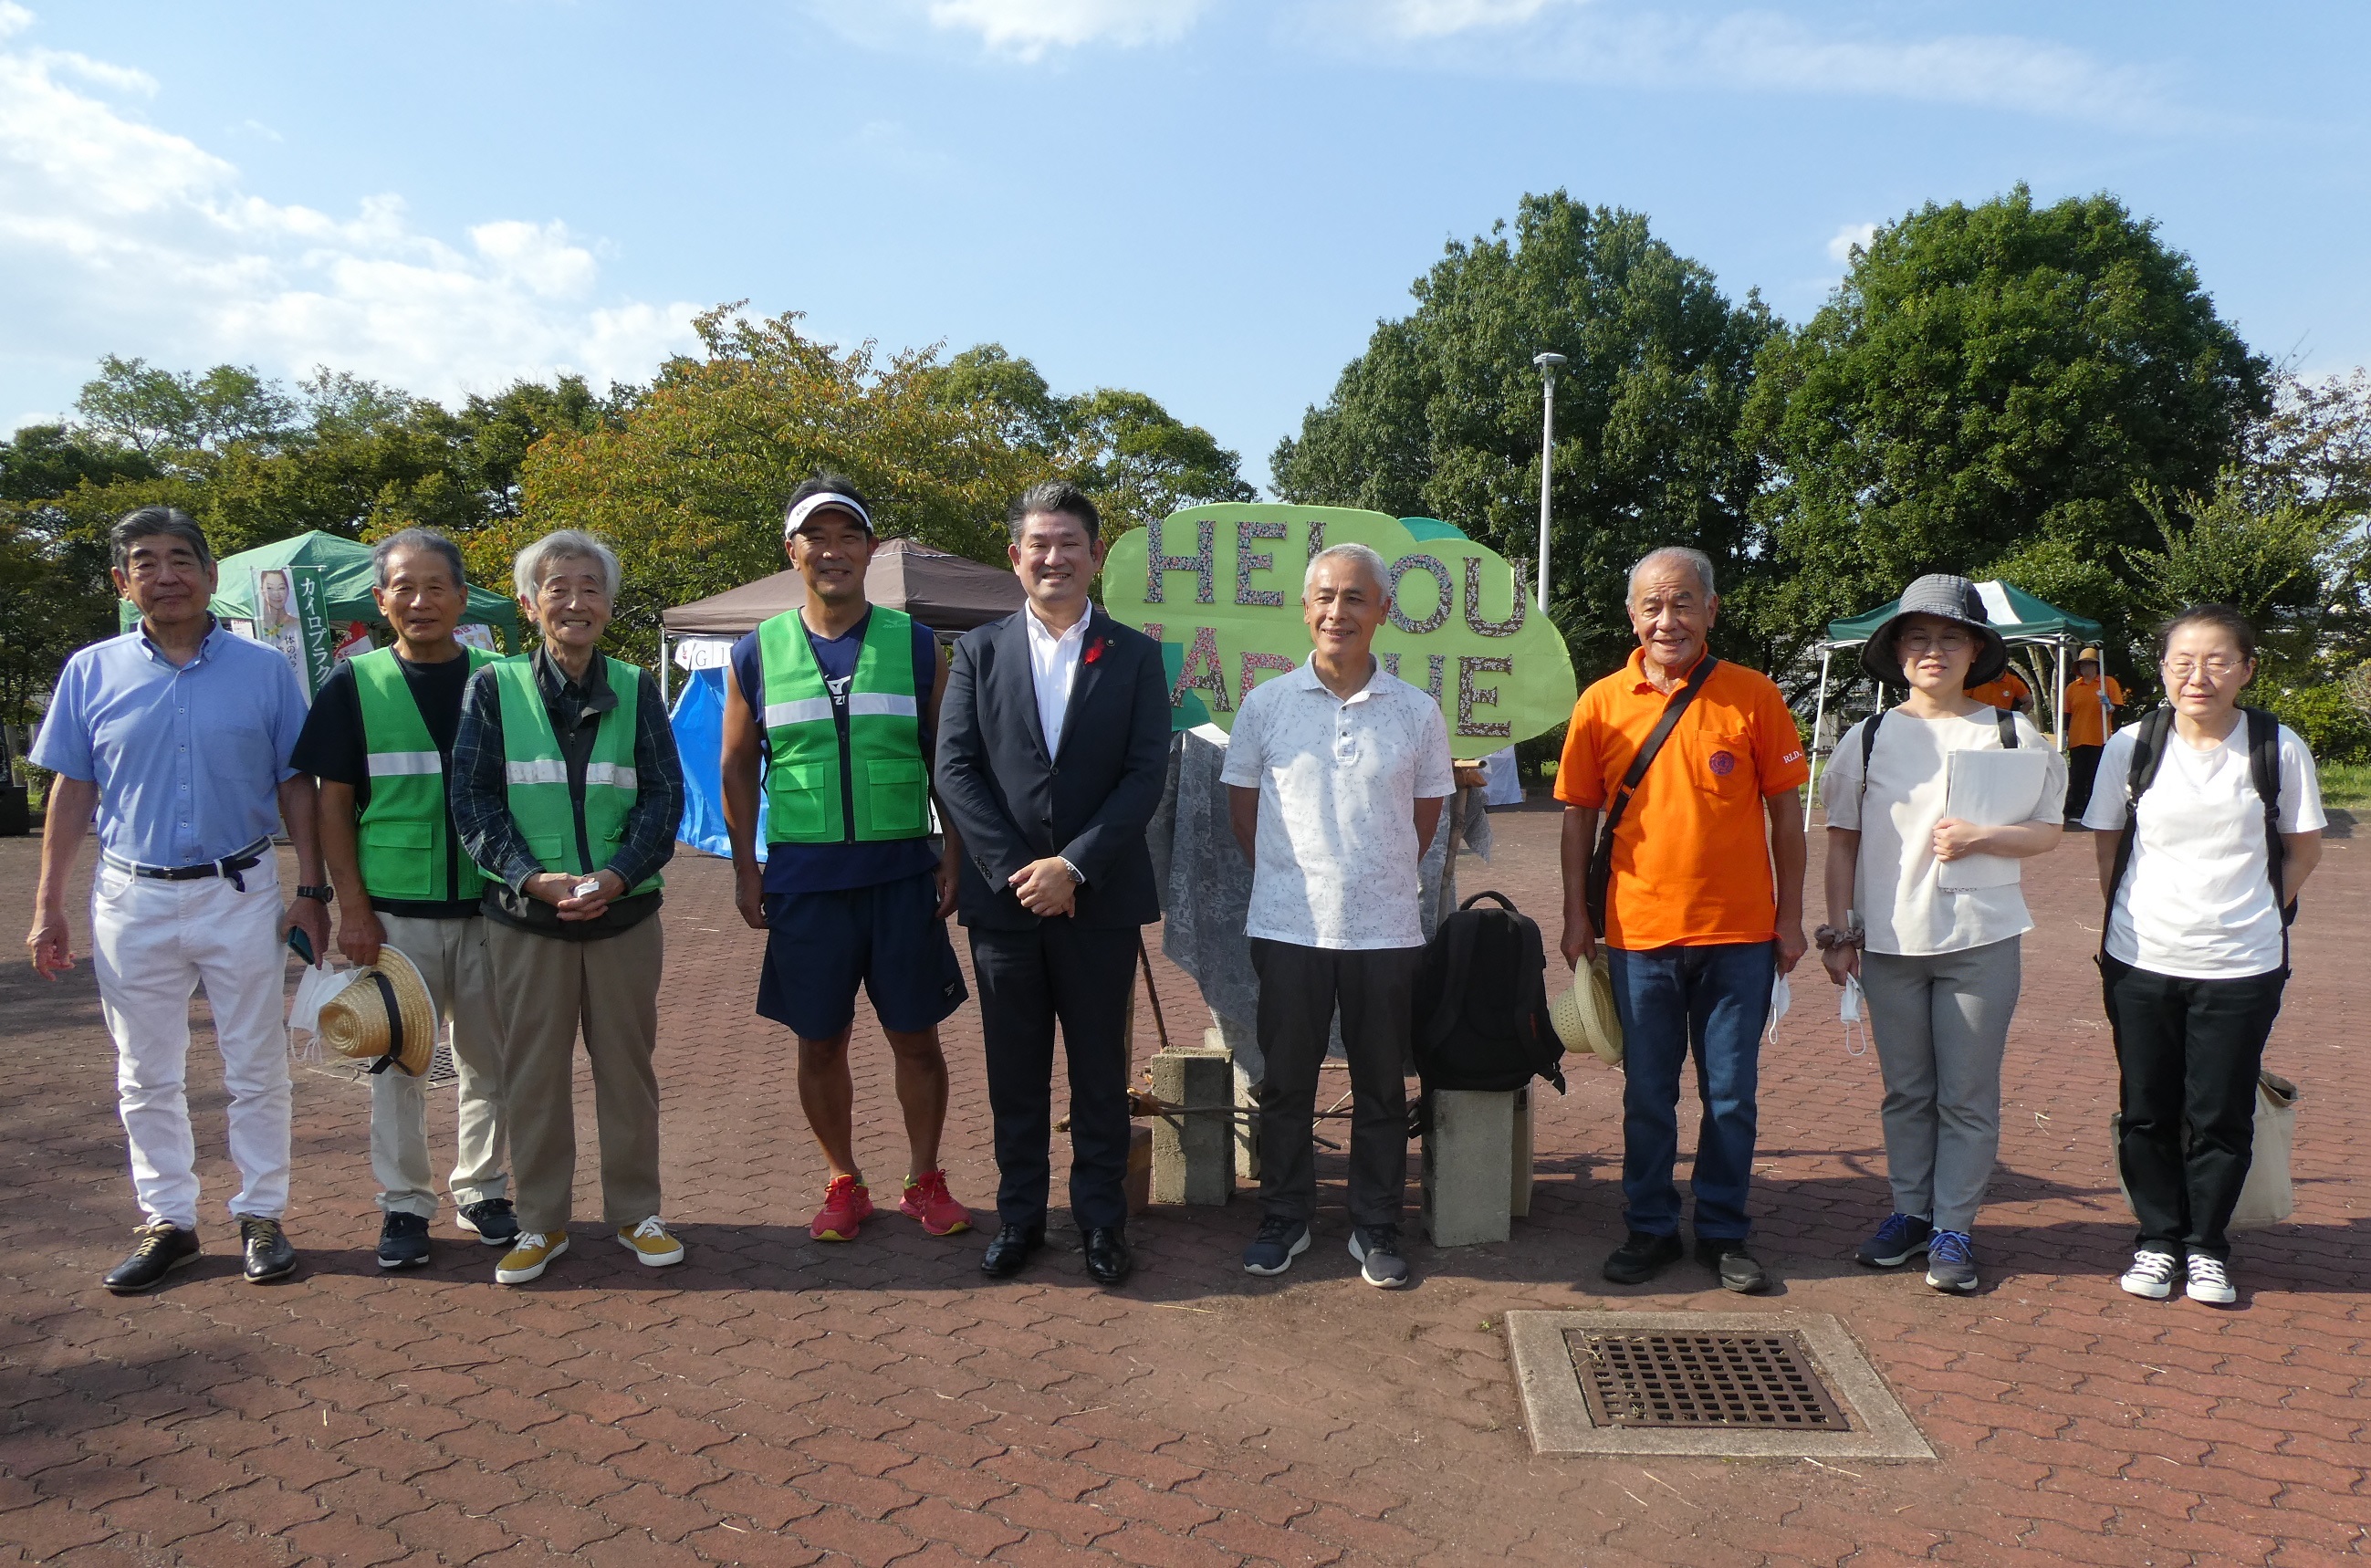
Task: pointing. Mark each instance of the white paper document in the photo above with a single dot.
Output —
(1992, 789)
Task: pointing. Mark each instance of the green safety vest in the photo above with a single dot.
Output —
(883, 783)
(538, 773)
(401, 837)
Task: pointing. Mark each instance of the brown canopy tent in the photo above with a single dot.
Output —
(946, 593)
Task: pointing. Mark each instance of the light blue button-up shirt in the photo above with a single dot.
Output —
(188, 760)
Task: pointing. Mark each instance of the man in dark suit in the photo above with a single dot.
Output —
(1053, 744)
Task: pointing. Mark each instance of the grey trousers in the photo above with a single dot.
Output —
(451, 955)
(544, 989)
(1940, 1021)
(1298, 989)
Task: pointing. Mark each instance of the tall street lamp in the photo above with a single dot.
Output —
(1547, 363)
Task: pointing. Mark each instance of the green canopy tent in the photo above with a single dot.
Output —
(2022, 621)
(346, 581)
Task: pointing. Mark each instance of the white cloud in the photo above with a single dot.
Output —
(116, 236)
(1028, 27)
(1840, 248)
(1628, 44)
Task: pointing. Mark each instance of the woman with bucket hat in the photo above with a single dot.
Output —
(1928, 928)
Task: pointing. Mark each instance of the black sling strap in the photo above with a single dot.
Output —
(1600, 854)
(2150, 739)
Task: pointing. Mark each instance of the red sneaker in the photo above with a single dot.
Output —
(928, 1200)
(847, 1204)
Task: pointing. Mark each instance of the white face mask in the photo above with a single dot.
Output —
(1782, 996)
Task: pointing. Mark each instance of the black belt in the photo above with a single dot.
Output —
(228, 868)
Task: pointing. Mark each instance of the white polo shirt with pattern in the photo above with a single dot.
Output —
(1338, 862)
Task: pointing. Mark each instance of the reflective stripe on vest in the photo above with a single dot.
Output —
(882, 785)
(400, 840)
(538, 773)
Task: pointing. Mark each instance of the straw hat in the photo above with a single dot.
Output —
(382, 1014)
(1584, 1016)
(2089, 656)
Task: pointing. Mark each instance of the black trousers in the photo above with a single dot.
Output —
(1299, 988)
(2190, 1050)
(1030, 980)
(2082, 770)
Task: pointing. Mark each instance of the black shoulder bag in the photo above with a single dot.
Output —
(1601, 853)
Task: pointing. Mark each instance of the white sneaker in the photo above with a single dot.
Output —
(2151, 1275)
(2209, 1282)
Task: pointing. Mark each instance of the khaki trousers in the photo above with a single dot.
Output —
(544, 990)
(451, 955)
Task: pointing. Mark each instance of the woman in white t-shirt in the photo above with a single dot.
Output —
(1931, 932)
(2196, 950)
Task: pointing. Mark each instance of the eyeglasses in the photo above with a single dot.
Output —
(2214, 667)
(1938, 642)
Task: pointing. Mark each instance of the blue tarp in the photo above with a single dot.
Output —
(699, 736)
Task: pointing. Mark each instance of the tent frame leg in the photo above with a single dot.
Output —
(1819, 727)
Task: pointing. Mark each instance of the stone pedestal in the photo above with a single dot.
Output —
(1193, 1156)
(1519, 1192)
(1138, 1184)
(1469, 1167)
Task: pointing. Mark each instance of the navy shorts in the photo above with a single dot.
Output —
(819, 947)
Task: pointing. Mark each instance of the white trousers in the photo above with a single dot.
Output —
(451, 955)
(153, 943)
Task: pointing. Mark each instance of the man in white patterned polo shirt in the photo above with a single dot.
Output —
(1336, 776)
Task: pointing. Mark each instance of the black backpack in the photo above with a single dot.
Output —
(2155, 730)
(1481, 1003)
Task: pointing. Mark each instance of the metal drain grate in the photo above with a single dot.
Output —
(1677, 1379)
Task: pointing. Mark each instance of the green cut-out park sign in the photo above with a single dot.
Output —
(1219, 588)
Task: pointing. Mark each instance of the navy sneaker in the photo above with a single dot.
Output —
(492, 1218)
(1276, 1245)
(1377, 1248)
(402, 1240)
(1951, 1261)
(1898, 1241)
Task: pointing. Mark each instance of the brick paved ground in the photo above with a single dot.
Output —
(775, 1401)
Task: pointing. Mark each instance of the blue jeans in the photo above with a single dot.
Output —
(1713, 1001)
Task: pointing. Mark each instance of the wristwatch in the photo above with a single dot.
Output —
(1077, 876)
(323, 894)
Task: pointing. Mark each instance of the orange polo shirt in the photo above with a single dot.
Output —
(1692, 857)
(2002, 690)
(2085, 724)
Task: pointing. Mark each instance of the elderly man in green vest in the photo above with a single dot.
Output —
(567, 793)
(840, 698)
(380, 739)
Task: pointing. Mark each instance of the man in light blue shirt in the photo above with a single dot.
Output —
(179, 734)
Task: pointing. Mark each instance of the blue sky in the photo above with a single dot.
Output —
(1213, 200)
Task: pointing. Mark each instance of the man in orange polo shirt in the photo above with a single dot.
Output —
(2091, 700)
(1696, 927)
(2006, 692)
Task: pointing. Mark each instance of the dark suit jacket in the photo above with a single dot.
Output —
(1014, 804)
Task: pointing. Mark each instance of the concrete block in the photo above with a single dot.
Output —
(1246, 1127)
(1468, 1167)
(1519, 1196)
(1193, 1156)
(1239, 1037)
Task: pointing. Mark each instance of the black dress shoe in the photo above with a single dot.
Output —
(1739, 1270)
(1108, 1259)
(1011, 1249)
(269, 1254)
(1641, 1257)
(163, 1247)
(402, 1241)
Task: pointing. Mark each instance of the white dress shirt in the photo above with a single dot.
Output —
(1054, 666)
(1338, 863)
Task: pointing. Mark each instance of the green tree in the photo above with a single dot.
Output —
(1440, 416)
(1994, 388)
(687, 483)
(165, 413)
(1136, 458)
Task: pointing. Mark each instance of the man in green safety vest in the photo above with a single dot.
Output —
(380, 739)
(567, 793)
(839, 699)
